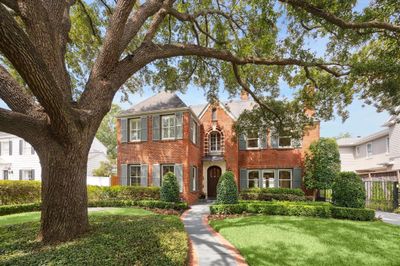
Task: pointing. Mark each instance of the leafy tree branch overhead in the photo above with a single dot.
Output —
(62, 63)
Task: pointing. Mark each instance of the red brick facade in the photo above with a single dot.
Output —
(188, 154)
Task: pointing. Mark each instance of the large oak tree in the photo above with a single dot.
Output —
(64, 61)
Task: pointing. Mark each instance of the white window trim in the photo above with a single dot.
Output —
(194, 175)
(284, 147)
(218, 144)
(248, 179)
(137, 129)
(366, 149)
(130, 176)
(194, 127)
(291, 176)
(169, 127)
(267, 171)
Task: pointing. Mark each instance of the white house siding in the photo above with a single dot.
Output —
(347, 159)
(394, 133)
(16, 162)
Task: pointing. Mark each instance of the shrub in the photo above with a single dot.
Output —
(227, 192)
(270, 196)
(19, 192)
(18, 208)
(348, 191)
(152, 204)
(170, 188)
(353, 213)
(288, 191)
(312, 209)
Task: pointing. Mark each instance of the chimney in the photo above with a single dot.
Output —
(244, 95)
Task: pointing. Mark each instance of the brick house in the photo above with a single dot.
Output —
(198, 144)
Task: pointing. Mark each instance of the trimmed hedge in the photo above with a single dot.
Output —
(270, 194)
(353, 213)
(291, 191)
(19, 192)
(18, 208)
(152, 204)
(348, 191)
(227, 191)
(321, 210)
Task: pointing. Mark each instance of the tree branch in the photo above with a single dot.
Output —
(312, 9)
(110, 52)
(11, 4)
(13, 95)
(248, 90)
(19, 50)
(22, 125)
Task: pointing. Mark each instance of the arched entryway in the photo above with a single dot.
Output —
(213, 174)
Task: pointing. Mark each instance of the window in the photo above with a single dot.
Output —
(134, 129)
(215, 141)
(134, 175)
(284, 142)
(285, 178)
(27, 174)
(358, 151)
(166, 168)
(253, 179)
(194, 132)
(369, 150)
(26, 148)
(214, 114)
(168, 127)
(194, 178)
(5, 148)
(268, 178)
(5, 174)
(387, 145)
(252, 140)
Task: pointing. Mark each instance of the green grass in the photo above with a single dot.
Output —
(123, 236)
(35, 216)
(279, 240)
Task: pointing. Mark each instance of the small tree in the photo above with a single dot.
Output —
(105, 168)
(348, 191)
(322, 164)
(170, 188)
(227, 192)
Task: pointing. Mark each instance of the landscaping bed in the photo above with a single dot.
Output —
(123, 236)
(312, 209)
(283, 240)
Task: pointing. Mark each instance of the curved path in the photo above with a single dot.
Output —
(209, 247)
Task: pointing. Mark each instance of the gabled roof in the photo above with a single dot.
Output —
(348, 142)
(233, 108)
(160, 101)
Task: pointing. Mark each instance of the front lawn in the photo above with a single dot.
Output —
(123, 236)
(282, 240)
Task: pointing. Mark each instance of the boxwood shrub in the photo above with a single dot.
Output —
(19, 192)
(152, 204)
(18, 208)
(348, 191)
(170, 188)
(322, 210)
(227, 192)
(291, 191)
(269, 194)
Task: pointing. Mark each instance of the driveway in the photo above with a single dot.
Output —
(388, 217)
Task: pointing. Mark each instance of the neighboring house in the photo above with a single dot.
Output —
(198, 144)
(19, 161)
(376, 156)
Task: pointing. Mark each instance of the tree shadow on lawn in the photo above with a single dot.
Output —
(282, 240)
(114, 240)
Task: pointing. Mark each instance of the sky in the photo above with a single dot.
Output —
(363, 120)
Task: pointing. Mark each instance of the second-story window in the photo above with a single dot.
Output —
(369, 150)
(252, 140)
(284, 142)
(193, 131)
(134, 129)
(168, 127)
(215, 141)
(214, 114)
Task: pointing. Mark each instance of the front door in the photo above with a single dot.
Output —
(213, 174)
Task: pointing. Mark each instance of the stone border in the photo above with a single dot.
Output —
(235, 252)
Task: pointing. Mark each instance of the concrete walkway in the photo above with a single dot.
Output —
(388, 217)
(207, 246)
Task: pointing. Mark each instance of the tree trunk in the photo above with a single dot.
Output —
(315, 194)
(64, 192)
